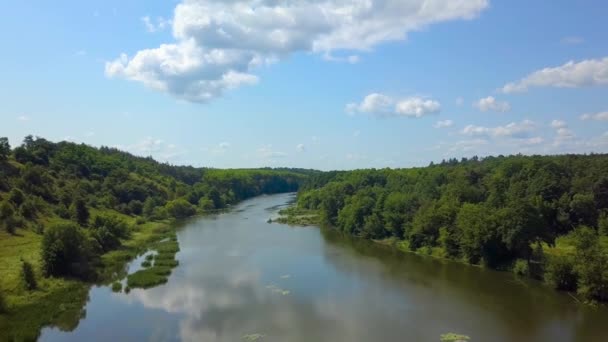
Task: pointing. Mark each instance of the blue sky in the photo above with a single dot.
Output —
(327, 84)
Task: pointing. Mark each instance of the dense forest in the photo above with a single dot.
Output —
(69, 212)
(540, 216)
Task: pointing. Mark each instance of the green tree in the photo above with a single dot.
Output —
(591, 264)
(108, 230)
(16, 197)
(5, 148)
(180, 208)
(3, 306)
(65, 251)
(27, 276)
(7, 217)
(560, 273)
(80, 212)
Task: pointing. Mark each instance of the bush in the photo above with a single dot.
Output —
(136, 207)
(65, 251)
(116, 287)
(107, 230)
(146, 264)
(560, 274)
(7, 217)
(27, 276)
(180, 208)
(521, 268)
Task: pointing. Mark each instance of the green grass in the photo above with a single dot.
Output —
(159, 272)
(297, 216)
(59, 301)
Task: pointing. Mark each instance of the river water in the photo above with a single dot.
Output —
(242, 279)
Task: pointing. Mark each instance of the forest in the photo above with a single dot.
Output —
(72, 215)
(539, 216)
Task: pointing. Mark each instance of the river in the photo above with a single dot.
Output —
(242, 279)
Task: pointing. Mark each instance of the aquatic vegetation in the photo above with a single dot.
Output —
(253, 337)
(452, 337)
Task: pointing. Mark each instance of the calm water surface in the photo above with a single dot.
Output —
(241, 278)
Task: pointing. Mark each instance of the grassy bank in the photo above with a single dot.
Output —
(60, 301)
(297, 216)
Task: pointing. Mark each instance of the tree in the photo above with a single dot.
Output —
(591, 264)
(148, 208)
(80, 212)
(3, 306)
(108, 230)
(65, 251)
(5, 148)
(16, 197)
(180, 208)
(27, 276)
(7, 218)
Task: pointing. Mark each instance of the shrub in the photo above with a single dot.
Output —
(65, 251)
(180, 208)
(136, 207)
(560, 274)
(146, 264)
(107, 230)
(27, 276)
(521, 268)
(7, 217)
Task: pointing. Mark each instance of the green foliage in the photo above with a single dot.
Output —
(452, 337)
(521, 267)
(560, 274)
(180, 208)
(27, 276)
(5, 148)
(7, 217)
(496, 211)
(80, 212)
(65, 251)
(108, 230)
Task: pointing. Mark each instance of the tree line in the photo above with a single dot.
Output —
(542, 216)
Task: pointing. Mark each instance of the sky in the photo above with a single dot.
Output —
(324, 84)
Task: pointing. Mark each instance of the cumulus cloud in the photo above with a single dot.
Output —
(444, 124)
(217, 43)
(385, 106)
(300, 148)
(23, 118)
(155, 25)
(513, 130)
(491, 104)
(558, 124)
(602, 116)
(157, 148)
(590, 72)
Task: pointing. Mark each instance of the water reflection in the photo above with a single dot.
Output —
(242, 280)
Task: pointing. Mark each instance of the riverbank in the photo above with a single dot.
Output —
(60, 301)
(563, 248)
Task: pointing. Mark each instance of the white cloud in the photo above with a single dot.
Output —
(513, 130)
(81, 53)
(356, 133)
(558, 124)
(300, 148)
(157, 148)
(155, 25)
(602, 116)
(224, 145)
(385, 106)
(590, 72)
(89, 134)
(267, 152)
(491, 104)
(23, 118)
(444, 124)
(216, 40)
(572, 40)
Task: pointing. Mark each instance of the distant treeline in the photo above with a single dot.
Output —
(543, 216)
